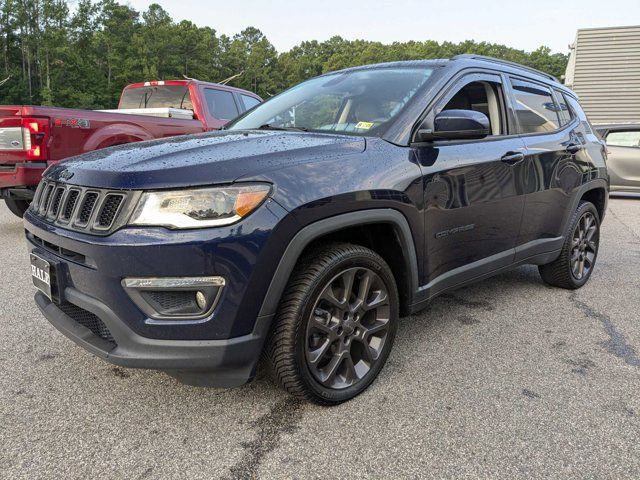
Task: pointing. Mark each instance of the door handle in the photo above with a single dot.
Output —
(573, 148)
(512, 158)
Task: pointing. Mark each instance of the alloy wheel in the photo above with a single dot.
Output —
(584, 246)
(348, 328)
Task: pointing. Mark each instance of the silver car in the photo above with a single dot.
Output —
(623, 145)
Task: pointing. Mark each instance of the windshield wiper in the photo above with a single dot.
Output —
(267, 126)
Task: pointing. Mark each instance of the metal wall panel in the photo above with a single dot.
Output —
(604, 70)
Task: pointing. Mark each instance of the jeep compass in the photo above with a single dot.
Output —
(302, 232)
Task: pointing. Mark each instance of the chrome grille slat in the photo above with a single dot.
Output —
(46, 198)
(37, 195)
(96, 211)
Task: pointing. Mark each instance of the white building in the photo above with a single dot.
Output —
(604, 70)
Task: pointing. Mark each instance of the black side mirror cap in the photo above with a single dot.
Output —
(456, 125)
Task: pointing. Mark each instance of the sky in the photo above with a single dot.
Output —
(520, 24)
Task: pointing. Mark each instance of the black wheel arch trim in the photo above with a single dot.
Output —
(333, 224)
(596, 184)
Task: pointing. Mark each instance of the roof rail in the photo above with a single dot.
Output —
(504, 62)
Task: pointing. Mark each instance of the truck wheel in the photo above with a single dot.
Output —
(575, 264)
(17, 207)
(335, 325)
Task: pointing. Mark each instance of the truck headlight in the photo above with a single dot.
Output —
(199, 208)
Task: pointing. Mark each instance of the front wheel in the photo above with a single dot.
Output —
(336, 324)
(572, 269)
(17, 207)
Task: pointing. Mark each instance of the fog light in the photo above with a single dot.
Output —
(201, 300)
(182, 298)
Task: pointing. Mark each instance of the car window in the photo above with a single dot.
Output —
(484, 97)
(221, 104)
(624, 139)
(577, 111)
(359, 102)
(564, 112)
(161, 96)
(535, 108)
(249, 102)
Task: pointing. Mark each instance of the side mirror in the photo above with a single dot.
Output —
(457, 125)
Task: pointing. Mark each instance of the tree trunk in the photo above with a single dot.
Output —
(109, 68)
(29, 75)
(48, 73)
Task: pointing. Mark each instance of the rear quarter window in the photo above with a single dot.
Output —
(564, 112)
(577, 111)
(249, 102)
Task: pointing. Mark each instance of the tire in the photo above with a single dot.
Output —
(325, 349)
(579, 246)
(17, 207)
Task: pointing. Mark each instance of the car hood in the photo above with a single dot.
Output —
(202, 159)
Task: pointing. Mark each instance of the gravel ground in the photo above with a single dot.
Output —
(506, 379)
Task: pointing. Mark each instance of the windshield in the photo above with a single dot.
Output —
(358, 102)
(163, 96)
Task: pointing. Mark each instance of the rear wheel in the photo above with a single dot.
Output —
(336, 324)
(17, 207)
(577, 259)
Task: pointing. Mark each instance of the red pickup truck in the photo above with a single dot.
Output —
(32, 137)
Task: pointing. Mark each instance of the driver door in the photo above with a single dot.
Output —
(473, 189)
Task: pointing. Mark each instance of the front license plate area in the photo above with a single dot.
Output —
(41, 275)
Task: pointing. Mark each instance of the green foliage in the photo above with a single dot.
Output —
(83, 56)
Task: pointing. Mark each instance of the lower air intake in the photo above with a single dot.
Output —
(89, 320)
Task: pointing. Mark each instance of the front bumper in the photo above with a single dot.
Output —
(220, 350)
(219, 363)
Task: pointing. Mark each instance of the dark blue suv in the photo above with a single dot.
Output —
(302, 232)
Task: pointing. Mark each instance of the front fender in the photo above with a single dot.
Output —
(328, 225)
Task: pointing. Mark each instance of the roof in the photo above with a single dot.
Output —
(506, 63)
(467, 60)
(399, 64)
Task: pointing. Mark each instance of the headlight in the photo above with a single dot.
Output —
(204, 207)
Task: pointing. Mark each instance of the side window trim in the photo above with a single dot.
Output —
(239, 103)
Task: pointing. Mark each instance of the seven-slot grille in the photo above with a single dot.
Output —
(91, 210)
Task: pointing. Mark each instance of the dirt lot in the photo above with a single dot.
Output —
(505, 379)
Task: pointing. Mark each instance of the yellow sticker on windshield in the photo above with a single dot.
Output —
(364, 125)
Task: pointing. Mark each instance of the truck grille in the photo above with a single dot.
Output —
(92, 210)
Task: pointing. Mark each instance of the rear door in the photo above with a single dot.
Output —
(473, 193)
(552, 169)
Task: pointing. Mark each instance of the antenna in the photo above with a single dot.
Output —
(227, 80)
